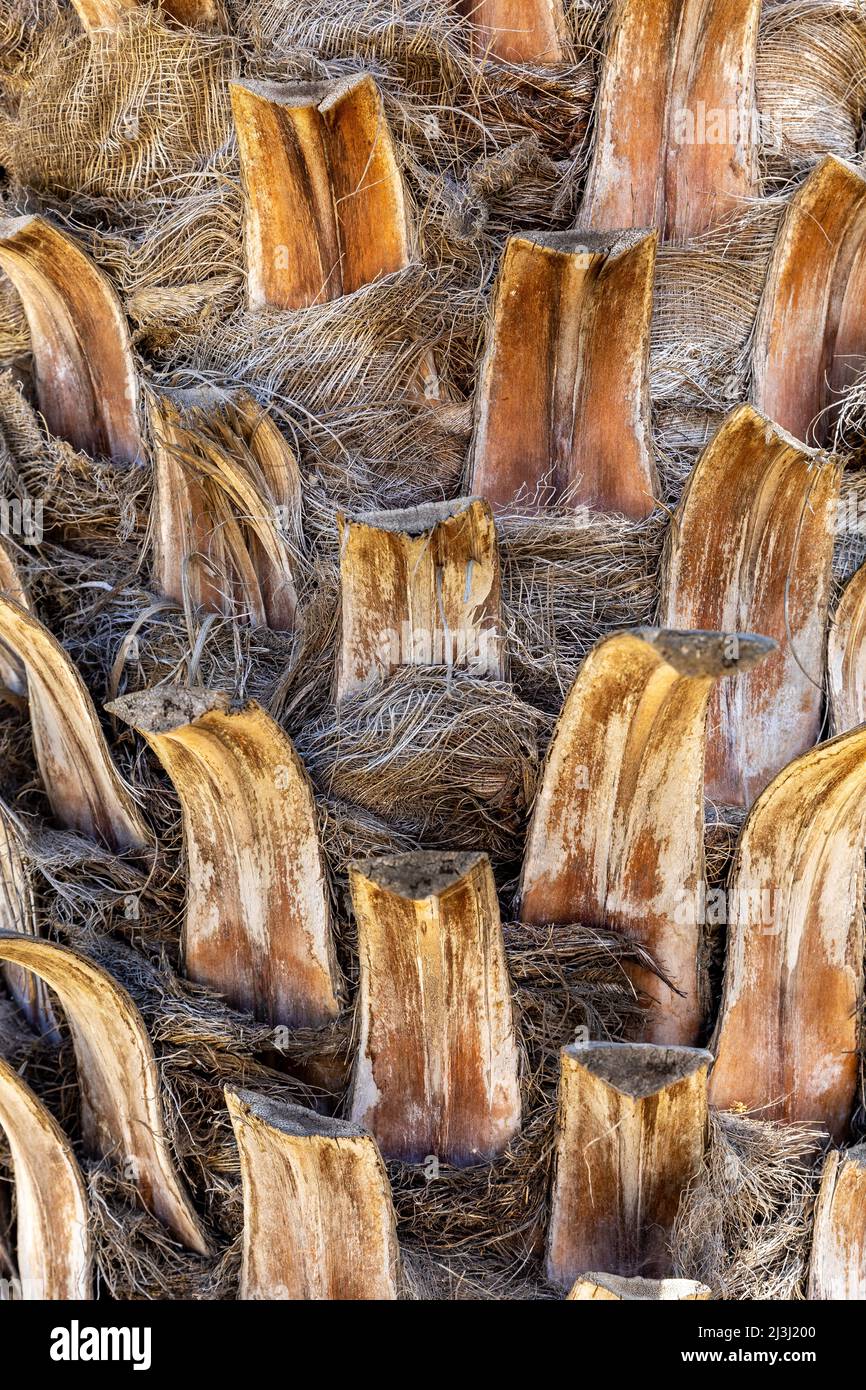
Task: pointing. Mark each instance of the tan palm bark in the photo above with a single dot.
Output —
(616, 837)
(318, 1217)
(13, 675)
(615, 1288)
(258, 925)
(562, 406)
(437, 1067)
(83, 786)
(18, 914)
(676, 118)
(228, 491)
(518, 31)
(83, 369)
(750, 549)
(809, 341)
(54, 1254)
(325, 207)
(786, 1040)
(838, 1264)
(121, 1113)
(108, 14)
(419, 587)
(846, 657)
(631, 1132)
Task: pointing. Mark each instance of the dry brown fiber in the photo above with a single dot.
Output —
(146, 175)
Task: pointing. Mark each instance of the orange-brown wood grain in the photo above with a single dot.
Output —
(616, 837)
(419, 587)
(84, 373)
(318, 1218)
(121, 1110)
(518, 31)
(846, 656)
(258, 925)
(325, 206)
(837, 1269)
(750, 549)
(631, 1132)
(84, 788)
(562, 406)
(787, 1036)
(436, 1071)
(676, 119)
(810, 334)
(53, 1238)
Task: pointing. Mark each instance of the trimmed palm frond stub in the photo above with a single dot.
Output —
(676, 143)
(616, 837)
(631, 1133)
(562, 404)
(787, 1035)
(750, 548)
(318, 1219)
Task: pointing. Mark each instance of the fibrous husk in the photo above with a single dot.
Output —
(441, 754)
(132, 84)
(428, 42)
(569, 578)
(347, 372)
(811, 82)
(744, 1225)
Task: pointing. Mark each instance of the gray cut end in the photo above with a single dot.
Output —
(698, 653)
(322, 95)
(296, 1121)
(583, 241)
(419, 874)
(341, 86)
(638, 1069)
(11, 226)
(208, 397)
(291, 94)
(645, 1290)
(166, 707)
(414, 521)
